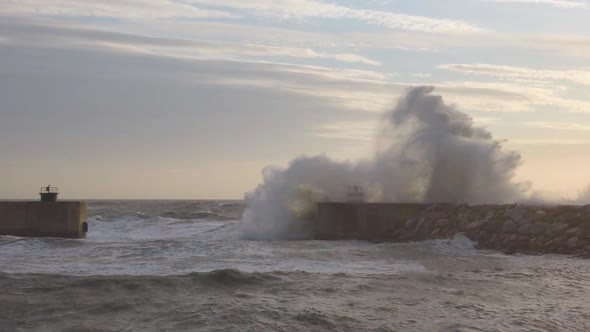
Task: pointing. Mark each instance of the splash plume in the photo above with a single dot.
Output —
(584, 196)
(426, 151)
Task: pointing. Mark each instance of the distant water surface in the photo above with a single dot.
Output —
(181, 266)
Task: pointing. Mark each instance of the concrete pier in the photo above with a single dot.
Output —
(66, 219)
(363, 221)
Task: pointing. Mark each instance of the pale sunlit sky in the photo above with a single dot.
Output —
(192, 98)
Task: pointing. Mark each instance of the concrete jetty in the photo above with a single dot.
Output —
(509, 228)
(45, 218)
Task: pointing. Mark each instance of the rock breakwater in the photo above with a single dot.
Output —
(509, 228)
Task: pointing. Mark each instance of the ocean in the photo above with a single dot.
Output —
(184, 266)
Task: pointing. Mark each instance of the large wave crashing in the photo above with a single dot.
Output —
(427, 151)
(584, 196)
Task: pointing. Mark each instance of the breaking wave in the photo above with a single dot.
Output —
(427, 151)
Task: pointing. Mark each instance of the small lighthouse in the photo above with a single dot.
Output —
(48, 194)
(355, 194)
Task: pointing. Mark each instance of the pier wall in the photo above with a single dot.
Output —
(509, 228)
(65, 219)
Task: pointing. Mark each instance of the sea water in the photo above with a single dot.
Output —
(184, 266)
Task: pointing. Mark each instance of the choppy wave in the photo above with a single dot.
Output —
(200, 215)
(459, 295)
(215, 278)
(193, 210)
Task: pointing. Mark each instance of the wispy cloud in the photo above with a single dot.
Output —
(559, 125)
(485, 119)
(348, 130)
(513, 72)
(282, 9)
(65, 37)
(553, 3)
(421, 75)
(347, 88)
(123, 9)
(534, 141)
(301, 9)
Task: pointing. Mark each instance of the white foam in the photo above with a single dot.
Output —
(459, 245)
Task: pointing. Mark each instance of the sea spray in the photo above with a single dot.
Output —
(430, 152)
(584, 196)
(283, 205)
(426, 151)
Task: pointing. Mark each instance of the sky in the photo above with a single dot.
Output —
(191, 99)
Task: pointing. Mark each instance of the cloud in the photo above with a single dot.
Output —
(559, 125)
(56, 36)
(421, 75)
(106, 98)
(508, 97)
(348, 130)
(568, 45)
(283, 9)
(485, 119)
(238, 65)
(125, 105)
(534, 141)
(122, 9)
(553, 3)
(372, 91)
(513, 72)
(382, 40)
(303, 9)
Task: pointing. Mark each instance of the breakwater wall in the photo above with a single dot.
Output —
(65, 219)
(509, 228)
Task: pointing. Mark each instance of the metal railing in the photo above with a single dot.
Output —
(48, 190)
(355, 194)
(355, 189)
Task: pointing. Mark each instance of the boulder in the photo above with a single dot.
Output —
(492, 225)
(509, 227)
(584, 229)
(506, 240)
(484, 236)
(518, 242)
(556, 228)
(515, 214)
(537, 243)
(532, 242)
(538, 228)
(436, 232)
(582, 242)
(572, 242)
(463, 218)
(575, 218)
(443, 223)
(472, 231)
(437, 215)
(424, 229)
(490, 215)
(524, 229)
(420, 223)
(540, 213)
(540, 241)
(550, 246)
(475, 225)
(410, 223)
(493, 241)
(573, 231)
